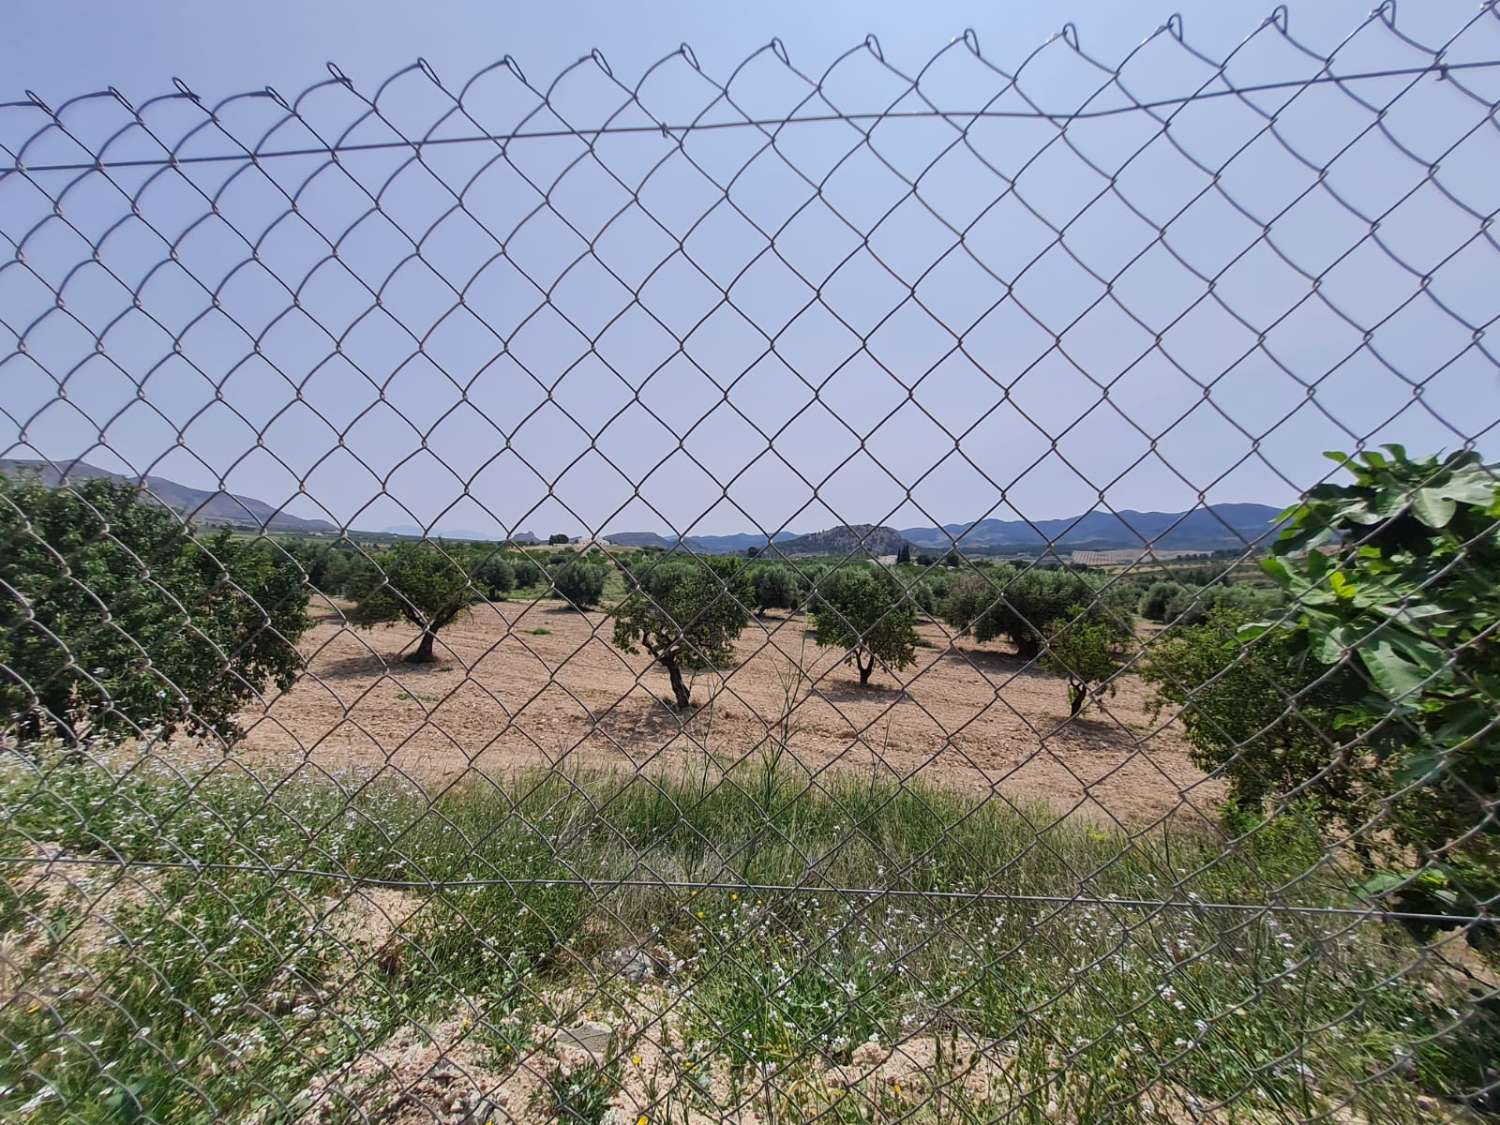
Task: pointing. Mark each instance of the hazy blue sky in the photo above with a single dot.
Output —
(946, 342)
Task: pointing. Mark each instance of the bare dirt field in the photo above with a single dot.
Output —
(523, 684)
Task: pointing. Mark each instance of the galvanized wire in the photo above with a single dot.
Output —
(79, 210)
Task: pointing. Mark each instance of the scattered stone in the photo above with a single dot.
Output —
(484, 1111)
(589, 1036)
(634, 965)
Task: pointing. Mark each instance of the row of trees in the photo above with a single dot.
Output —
(688, 612)
(118, 611)
(684, 611)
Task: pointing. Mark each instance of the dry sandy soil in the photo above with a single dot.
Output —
(530, 684)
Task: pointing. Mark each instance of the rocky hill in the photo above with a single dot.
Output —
(1210, 528)
(847, 539)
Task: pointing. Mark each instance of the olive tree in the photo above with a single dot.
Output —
(1191, 605)
(685, 613)
(861, 608)
(1157, 598)
(1025, 606)
(417, 582)
(774, 588)
(527, 572)
(495, 576)
(580, 581)
(1085, 649)
(114, 616)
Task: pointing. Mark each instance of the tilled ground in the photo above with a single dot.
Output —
(527, 684)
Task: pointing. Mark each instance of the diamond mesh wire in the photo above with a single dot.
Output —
(317, 808)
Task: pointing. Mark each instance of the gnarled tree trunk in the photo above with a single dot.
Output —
(865, 662)
(680, 690)
(423, 652)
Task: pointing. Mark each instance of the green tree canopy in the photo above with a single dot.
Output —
(417, 582)
(580, 581)
(494, 575)
(686, 613)
(775, 587)
(1157, 598)
(114, 617)
(527, 572)
(1023, 605)
(862, 608)
(1383, 676)
(1085, 649)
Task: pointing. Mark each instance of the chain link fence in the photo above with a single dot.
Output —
(318, 806)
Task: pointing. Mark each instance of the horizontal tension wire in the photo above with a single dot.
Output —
(749, 123)
(1366, 914)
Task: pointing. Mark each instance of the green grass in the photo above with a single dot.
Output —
(249, 992)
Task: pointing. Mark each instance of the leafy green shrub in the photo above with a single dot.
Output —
(1157, 597)
(861, 608)
(1379, 693)
(774, 587)
(685, 613)
(419, 582)
(115, 617)
(495, 576)
(1410, 598)
(1235, 710)
(580, 581)
(526, 571)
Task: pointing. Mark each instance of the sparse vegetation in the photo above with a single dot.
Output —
(1285, 694)
(236, 983)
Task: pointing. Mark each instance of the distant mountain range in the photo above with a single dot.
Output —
(217, 509)
(1210, 528)
(413, 531)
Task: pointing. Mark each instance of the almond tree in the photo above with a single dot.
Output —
(686, 613)
(417, 582)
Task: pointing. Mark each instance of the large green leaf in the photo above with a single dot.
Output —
(1433, 508)
(1395, 676)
